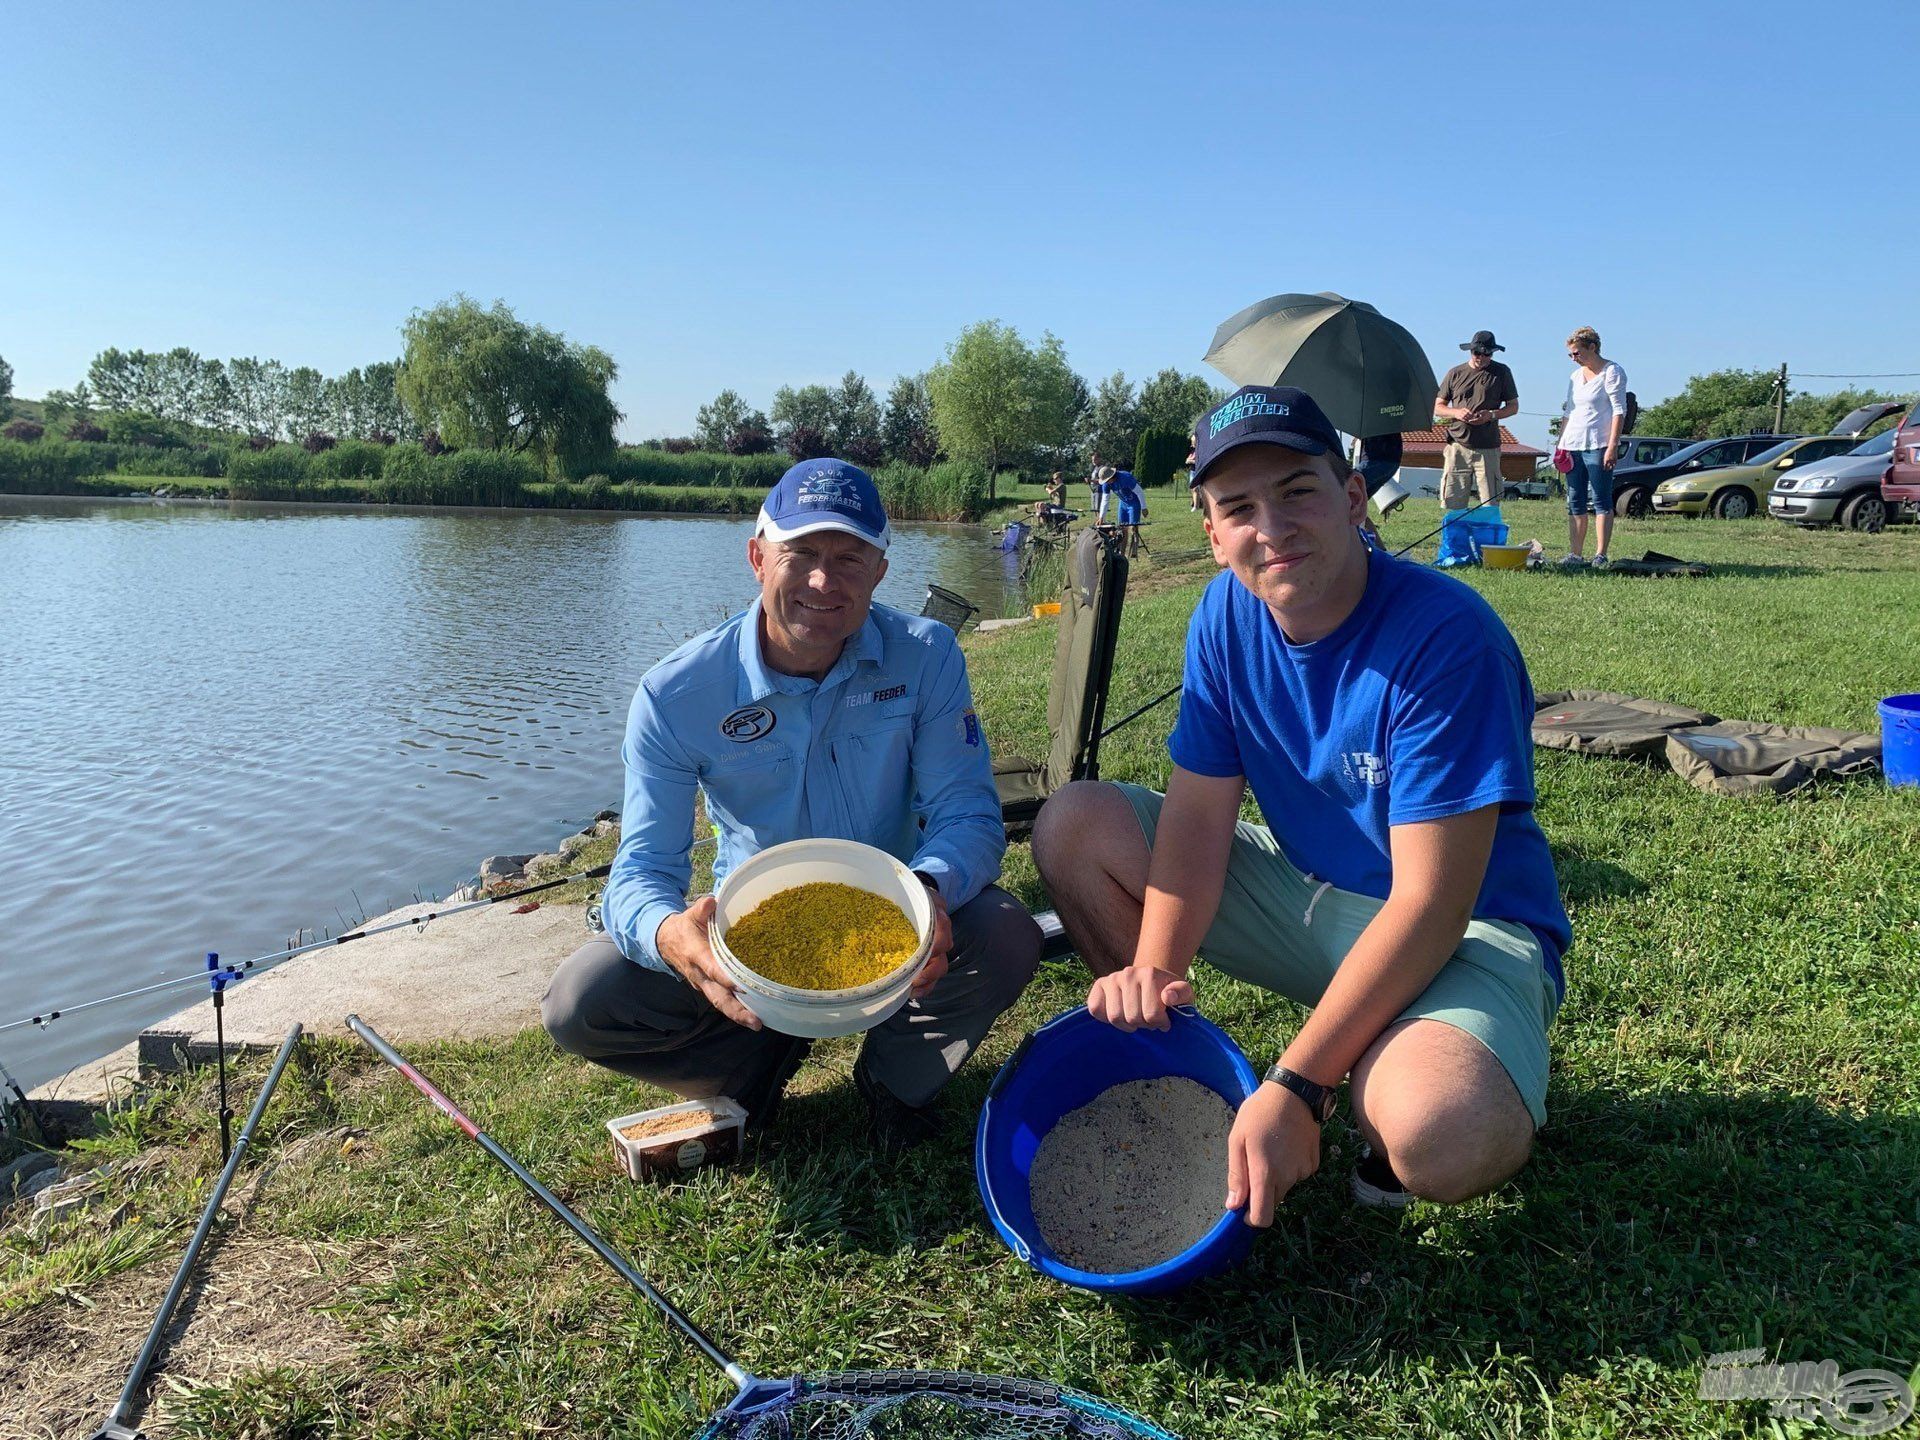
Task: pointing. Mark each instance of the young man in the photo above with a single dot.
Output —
(1380, 712)
(1474, 398)
(813, 713)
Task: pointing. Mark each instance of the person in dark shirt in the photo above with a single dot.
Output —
(1474, 398)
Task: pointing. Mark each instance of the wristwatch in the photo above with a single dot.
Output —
(1317, 1098)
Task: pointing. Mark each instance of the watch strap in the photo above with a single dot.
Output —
(1316, 1097)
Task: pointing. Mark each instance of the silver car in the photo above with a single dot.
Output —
(1843, 489)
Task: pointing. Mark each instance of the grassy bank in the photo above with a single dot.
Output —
(1733, 1156)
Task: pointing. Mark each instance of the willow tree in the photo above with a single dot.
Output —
(997, 399)
(485, 379)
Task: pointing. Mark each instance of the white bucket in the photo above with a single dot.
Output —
(1387, 498)
(819, 1013)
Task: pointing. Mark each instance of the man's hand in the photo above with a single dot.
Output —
(682, 941)
(1611, 454)
(936, 965)
(1138, 997)
(1275, 1145)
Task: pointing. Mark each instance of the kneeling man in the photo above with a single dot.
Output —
(1404, 893)
(814, 714)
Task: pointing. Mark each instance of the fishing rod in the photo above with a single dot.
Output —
(20, 1096)
(227, 974)
(115, 1426)
(606, 1252)
(847, 1403)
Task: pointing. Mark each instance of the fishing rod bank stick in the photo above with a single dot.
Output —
(115, 1427)
(606, 1252)
(228, 974)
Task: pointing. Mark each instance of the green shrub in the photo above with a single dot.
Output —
(638, 466)
(455, 477)
(47, 467)
(951, 490)
(144, 460)
(280, 472)
(351, 460)
(1158, 453)
(137, 427)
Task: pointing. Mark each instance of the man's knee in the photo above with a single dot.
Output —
(593, 996)
(1001, 939)
(1084, 821)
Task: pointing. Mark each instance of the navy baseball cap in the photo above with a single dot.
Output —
(1263, 415)
(824, 495)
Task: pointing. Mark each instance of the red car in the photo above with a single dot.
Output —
(1900, 486)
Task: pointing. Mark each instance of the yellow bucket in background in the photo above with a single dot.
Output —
(1047, 607)
(1505, 557)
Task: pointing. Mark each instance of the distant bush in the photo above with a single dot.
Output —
(384, 437)
(137, 427)
(85, 432)
(351, 460)
(679, 445)
(23, 430)
(637, 465)
(317, 441)
(951, 490)
(257, 441)
(277, 473)
(1158, 453)
(144, 460)
(433, 444)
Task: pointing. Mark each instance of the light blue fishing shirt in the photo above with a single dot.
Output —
(886, 750)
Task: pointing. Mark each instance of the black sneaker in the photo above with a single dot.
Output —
(761, 1100)
(1374, 1184)
(894, 1126)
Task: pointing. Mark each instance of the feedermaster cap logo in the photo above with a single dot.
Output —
(825, 487)
(1236, 408)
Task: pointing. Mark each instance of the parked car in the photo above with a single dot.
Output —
(1733, 492)
(1737, 491)
(1647, 449)
(1900, 486)
(1633, 485)
(1844, 490)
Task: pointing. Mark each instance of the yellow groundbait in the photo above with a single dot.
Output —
(823, 936)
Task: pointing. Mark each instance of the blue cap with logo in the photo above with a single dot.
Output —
(1262, 415)
(824, 495)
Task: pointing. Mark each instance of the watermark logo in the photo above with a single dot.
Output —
(1860, 1402)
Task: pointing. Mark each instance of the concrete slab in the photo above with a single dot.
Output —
(463, 977)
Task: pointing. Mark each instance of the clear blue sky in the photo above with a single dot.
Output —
(754, 195)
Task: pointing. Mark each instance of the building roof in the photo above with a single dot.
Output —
(1435, 439)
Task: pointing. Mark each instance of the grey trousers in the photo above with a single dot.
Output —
(655, 1027)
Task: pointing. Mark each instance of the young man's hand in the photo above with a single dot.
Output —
(1275, 1145)
(1138, 997)
(682, 941)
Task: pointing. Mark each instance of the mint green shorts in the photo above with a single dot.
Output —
(1288, 932)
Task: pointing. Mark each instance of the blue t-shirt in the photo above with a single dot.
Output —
(1416, 708)
(1124, 485)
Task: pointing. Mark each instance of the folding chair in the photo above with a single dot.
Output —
(1090, 605)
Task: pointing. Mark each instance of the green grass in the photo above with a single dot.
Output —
(1731, 1158)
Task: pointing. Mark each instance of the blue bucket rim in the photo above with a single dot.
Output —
(1123, 1280)
(1901, 705)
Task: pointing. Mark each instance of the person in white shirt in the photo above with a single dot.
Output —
(1596, 414)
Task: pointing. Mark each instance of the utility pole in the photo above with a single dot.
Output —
(1780, 401)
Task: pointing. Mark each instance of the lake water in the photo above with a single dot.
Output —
(223, 724)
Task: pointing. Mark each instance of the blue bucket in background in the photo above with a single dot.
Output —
(1064, 1065)
(1900, 739)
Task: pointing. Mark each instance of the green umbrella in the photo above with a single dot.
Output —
(1368, 373)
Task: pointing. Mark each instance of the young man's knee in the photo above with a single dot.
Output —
(1077, 823)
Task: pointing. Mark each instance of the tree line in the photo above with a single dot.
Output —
(994, 399)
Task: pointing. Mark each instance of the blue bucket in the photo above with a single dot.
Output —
(1064, 1065)
(1900, 739)
(1463, 532)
